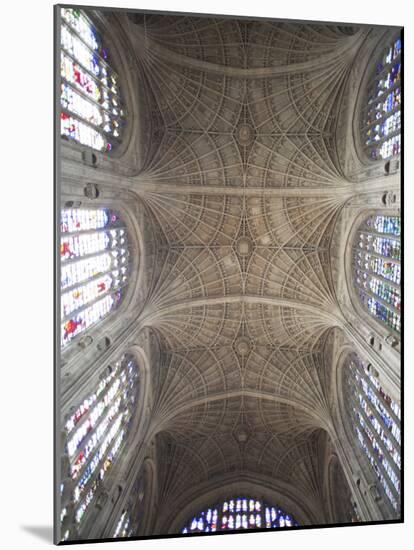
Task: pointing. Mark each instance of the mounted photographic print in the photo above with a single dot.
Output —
(228, 274)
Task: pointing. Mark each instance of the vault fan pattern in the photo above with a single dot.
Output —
(243, 299)
(237, 204)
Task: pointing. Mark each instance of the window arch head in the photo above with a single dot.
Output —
(381, 116)
(375, 421)
(94, 268)
(239, 513)
(95, 433)
(376, 259)
(92, 113)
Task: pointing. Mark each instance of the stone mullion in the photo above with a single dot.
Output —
(84, 283)
(384, 449)
(125, 413)
(94, 255)
(386, 115)
(370, 249)
(88, 510)
(396, 132)
(387, 370)
(389, 410)
(91, 303)
(385, 475)
(112, 267)
(112, 516)
(382, 277)
(93, 77)
(374, 456)
(380, 300)
(85, 257)
(104, 413)
(98, 129)
(392, 236)
(378, 255)
(350, 461)
(94, 277)
(73, 31)
(386, 68)
(377, 414)
(66, 497)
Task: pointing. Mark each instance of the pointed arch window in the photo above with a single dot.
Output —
(95, 433)
(377, 269)
(376, 419)
(239, 513)
(94, 268)
(382, 114)
(91, 108)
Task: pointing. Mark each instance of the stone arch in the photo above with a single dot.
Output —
(379, 331)
(386, 37)
(274, 492)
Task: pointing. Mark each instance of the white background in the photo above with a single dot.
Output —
(26, 388)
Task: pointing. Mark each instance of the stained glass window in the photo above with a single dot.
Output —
(382, 114)
(239, 513)
(123, 528)
(95, 432)
(376, 419)
(377, 269)
(91, 107)
(94, 268)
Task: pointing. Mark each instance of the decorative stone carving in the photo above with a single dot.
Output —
(242, 345)
(373, 489)
(91, 191)
(244, 246)
(392, 341)
(391, 198)
(104, 343)
(89, 158)
(245, 134)
(241, 433)
(85, 342)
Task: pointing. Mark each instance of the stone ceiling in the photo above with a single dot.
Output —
(243, 189)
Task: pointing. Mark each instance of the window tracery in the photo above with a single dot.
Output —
(376, 419)
(382, 115)
(91, 109)
(94, 268)
(377, 269)
(239, 513)
(95, 433)
(123, 527)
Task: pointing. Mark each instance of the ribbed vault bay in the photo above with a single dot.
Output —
(243, 43)
(241, 295)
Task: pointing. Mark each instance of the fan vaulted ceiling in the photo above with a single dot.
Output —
(242, 189)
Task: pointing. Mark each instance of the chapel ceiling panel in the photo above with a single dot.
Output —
(192, 382)
(243, 43)
(297, 463)
(242, 299)
(190, 99)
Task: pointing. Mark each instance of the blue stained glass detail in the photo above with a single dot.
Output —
(381, 123)
(376, 266)
(377, 425)
(91, 112)
(240, 513)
